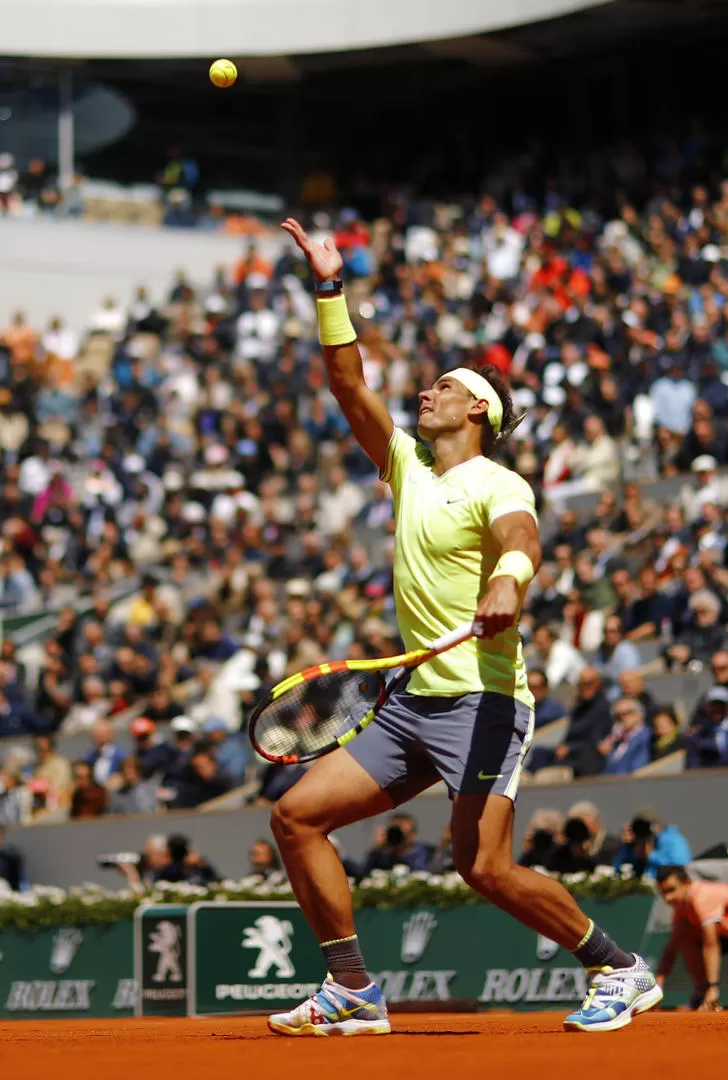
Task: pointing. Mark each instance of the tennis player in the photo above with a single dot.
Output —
(467, 546)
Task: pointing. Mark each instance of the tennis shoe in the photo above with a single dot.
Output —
(615, 995)
(336, 1010)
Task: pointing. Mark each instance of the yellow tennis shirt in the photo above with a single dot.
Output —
(444, 555)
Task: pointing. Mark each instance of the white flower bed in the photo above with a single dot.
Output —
(47, 905)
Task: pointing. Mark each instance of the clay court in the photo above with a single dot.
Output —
(457, 1046)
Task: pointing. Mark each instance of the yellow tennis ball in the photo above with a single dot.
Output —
(223, 73)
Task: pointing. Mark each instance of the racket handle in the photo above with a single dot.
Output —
(453, 637)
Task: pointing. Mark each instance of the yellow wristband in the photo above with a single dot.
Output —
(514, 564)
(334, 323)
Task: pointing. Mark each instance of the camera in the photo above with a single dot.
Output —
(576, 832)
(395, 836)
(642, 829)
(110, 862)
(542, 840)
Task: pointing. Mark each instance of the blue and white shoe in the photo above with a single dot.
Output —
(336, 1010)
(615, 995)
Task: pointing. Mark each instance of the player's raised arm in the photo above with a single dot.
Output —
(366, 412)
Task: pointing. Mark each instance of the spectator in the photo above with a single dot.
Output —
(711, 487)
(186, 864)
(647, 844)
(667, 738)
(14, 801)
(627, 747)
(547, 602)
(672, 398)
(703, 636)
(93, 706)
(396, 844)
(106, 758)
(574, 855)
(55, 770)
(151, 865)
(202, 780)
(544, 834)
(546, 710)
(12, 869)
(719, 667)
(707, 742)
(597, 463)
(615, 654)
(561, 662)
(229, 748)
(133, 795)
(89, 799)
(15, 716)
(632, 685)
(602, 845)
(215, 645)
(647, 614)
(590, 722)
(264, 859)
(8, 182)
(180, 752)
(443, 860)
(257, 329)
(153, 756)
(161, 707)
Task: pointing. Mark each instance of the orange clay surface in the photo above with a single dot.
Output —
(449, 1047)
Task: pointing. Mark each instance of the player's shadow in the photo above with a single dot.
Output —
(394, 1034)
(398, 1031)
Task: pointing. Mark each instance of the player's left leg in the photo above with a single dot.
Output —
(479, 753)
(621, 984)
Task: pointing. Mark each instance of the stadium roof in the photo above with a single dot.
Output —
(209, 28)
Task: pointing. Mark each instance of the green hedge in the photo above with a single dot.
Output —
(46, 905)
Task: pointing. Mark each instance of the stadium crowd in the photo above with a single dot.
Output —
(188, 445)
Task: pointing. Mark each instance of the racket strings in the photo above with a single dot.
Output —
(314, 714)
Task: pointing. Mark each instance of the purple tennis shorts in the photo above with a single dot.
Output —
(476, 743)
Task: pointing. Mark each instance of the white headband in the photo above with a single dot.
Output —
(481, 389)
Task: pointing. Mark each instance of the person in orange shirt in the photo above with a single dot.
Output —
(21, 339)
(699, 932)
(252, 262)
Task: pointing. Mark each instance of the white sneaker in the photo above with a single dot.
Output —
(615, 995)
(336, 1010)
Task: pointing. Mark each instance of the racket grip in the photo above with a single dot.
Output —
(453, 637)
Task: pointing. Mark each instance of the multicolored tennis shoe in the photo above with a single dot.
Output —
(615, 995)
(336, 1010)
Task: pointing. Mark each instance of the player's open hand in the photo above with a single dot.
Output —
(324, 259)
(498, 609)
(711, 1001)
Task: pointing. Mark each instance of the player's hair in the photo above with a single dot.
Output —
(489, 440)
(665, 872)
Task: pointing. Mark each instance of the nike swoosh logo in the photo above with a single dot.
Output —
(492, 776)
(366, 1005)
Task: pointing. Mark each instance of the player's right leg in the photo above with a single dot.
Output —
(377, 771)
(336, 791)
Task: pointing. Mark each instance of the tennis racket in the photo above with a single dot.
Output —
(313, 712)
